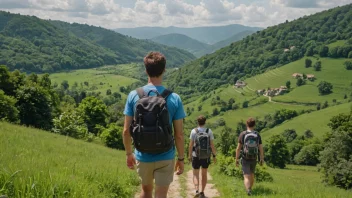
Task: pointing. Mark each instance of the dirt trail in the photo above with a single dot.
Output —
(210, 190)
(175, 187)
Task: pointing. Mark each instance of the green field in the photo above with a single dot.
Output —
(99, 79)
(36, 163)
(316, 121)
(294, 181)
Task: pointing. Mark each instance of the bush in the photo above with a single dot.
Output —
(228, 142)
(8, 110)
(325, 88)
(294, 148)
(309, 155)
(300, 82)
(317, 66)
(308, 63)
(277, 154)
(227, 167)
(348, 65)
(112, 137)
(308, 134)
(70, 124)
(289, 135)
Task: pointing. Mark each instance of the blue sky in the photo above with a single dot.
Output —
(181, 13)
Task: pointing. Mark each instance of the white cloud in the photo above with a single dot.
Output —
(111, 14)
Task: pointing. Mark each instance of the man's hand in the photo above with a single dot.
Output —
(189, 159)
(179, 166)
(237, 163)
(130, 161)
(261, 162)
(214, 160)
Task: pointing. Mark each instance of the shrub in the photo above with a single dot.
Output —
(227, 167)
(277, 154)
(112, 137)
(8, 110)
(309, 155)
(308, 134)
(70, 124)
(289, 135)
(325, 88)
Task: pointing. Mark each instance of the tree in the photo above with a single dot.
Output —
(308, 134)
(308, 63)
(71, 124)
(241, 126)
(200, 108)
(227, 141)
(309, 155)
(65, 84)
(108, 92)
(300, 82)
(94, 113)
(345, 97)
(295, 147)
(215, 112)
(8, 110)
(318, 106)
(348, 65)
(112, 137)
(36, 106)
(6, 81)
(317, 66)
(277, 154)
(289, 135)
(304, 76)
(245, 104)
(324, 50)
(325, 105)
(288, 84)
(325, 88)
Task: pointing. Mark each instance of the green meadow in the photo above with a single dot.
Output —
(316, 121)
(42, 164)
(99, 79)
(291, 182)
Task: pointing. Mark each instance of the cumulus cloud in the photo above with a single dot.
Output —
(185, 13)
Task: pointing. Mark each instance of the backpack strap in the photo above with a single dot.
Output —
(140, 92)
(207, 130)
(166, 93)
(196, 130)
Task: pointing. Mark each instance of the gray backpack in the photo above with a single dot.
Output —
(150, 130)
(250, 145)
(202, 144)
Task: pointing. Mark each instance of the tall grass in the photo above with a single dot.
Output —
(35, 163)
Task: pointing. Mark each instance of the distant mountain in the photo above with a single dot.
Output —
(208, 35)
(196, 47)
(34, 45)
(182, 41)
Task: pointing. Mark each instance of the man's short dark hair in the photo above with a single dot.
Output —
(154, 63)
(201, 120)
(250, 122)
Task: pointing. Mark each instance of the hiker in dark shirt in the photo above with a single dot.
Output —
(249, 142)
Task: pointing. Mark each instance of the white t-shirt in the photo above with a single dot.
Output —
(193, 137)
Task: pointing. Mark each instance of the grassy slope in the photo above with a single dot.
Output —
(295, 181)
(48, 164)
(316, 121)
(94, 77)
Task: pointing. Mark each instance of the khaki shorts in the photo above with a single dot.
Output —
(161, 171)
(248, 166)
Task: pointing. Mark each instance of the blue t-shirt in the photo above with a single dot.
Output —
(176, 111)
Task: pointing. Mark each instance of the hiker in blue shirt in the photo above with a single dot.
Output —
(154, 160)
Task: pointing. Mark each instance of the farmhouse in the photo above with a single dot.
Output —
(240, 84)
(274, 91)
(260, 91)
(310, 77)
(296, 75)
(286, 50)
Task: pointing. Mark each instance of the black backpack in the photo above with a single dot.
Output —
(202, 144)
(150, 129)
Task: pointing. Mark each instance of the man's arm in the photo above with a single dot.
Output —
(238, 151)
(190, 149)
(261, 151)
(213, 150)
(127, 139)
(179, 138)
(127, 142)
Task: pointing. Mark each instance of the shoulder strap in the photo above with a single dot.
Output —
(196, 129)
(140, 92)
(166, 93)
(207, 130)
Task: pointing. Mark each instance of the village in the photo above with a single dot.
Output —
(270, 92)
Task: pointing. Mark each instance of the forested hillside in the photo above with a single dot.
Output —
(272, 47)
(34, 45)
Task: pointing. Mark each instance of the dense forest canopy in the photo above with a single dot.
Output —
(272, 47)
(31, 44)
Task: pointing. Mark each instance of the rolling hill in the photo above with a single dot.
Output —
(183, 42)
(43, 164)
(35, 45)
(196, 47)
(208, 35)
(269, 48)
